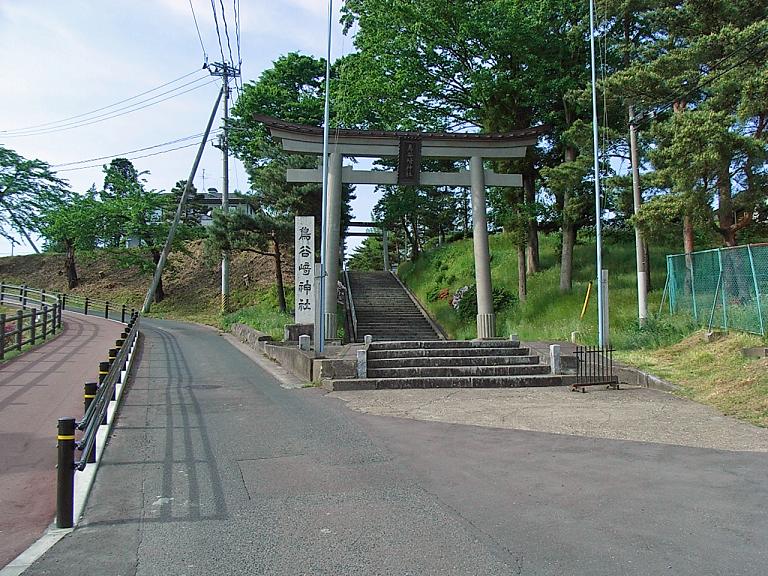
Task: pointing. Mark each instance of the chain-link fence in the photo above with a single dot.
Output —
(725, 287)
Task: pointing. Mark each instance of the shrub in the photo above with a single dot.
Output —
(466, 305)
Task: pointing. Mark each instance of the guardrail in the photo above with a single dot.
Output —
(39, 317)
(351, 306)
(97, 399)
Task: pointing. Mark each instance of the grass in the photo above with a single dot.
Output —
(261, 312)
(714, 373)
(547, 314)
(671, 347)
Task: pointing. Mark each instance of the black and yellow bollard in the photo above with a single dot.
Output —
(112, 358)
(122, 314)
(65, 474)
(89, 395)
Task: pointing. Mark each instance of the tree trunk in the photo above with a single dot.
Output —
(569, 234)
(529, 188)
(160, 292)
(522, 280)
(647, 257)
(688, 244)
(70, 267)
(279, 278)
(725, 207)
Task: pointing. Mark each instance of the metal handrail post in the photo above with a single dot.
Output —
(757, 290)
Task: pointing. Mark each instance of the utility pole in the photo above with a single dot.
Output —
(172, 232)
(225, 71)
(642, 279)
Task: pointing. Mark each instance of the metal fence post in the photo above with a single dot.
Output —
(2, 292)
(85, 309)
(45, 321)
(65, 484)
(106, 309)
(23, 296)
(33, 327)
(757, 290)
(62, 305)
(103, 371)
(122, 314)
(112, 357)
(89, 393)
(2, 336)
(19, 329)
(724, 293)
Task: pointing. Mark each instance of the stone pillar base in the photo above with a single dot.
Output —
(330, 326)
(486, 326)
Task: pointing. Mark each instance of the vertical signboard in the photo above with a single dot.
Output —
(304, 270)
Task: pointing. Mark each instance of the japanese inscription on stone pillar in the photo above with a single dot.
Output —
(305, 270)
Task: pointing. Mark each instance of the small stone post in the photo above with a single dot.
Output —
(367, 339)
(304, 342)
(362, 364)
(554, 359)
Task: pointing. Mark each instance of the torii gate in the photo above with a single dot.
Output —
(384, 236)
(409, 148)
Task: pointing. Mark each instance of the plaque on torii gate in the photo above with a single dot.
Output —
(409, 148)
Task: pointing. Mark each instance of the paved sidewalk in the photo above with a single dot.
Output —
(36, 389)
(214, 468)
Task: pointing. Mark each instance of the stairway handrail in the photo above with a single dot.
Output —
(351, 305)
(435, 326)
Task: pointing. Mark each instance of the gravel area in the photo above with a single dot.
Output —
(631, 413)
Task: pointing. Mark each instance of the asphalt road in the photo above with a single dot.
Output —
(215, 469)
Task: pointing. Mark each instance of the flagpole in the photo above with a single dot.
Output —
(598, 209)
(320, 342)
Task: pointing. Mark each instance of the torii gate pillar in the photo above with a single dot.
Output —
(486, 319)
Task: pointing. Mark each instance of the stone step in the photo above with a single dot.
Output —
(437, 351)
(452, 382)
(448, 361)
(462, 344)
(458, 371)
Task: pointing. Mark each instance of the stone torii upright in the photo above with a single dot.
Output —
(409, 148)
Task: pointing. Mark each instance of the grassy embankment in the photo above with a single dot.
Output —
(670, 347)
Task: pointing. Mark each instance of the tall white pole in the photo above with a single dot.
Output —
(320, 345)
(598, 209)
(225, 195)
(637, 200)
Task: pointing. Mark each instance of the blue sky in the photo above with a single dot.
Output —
(65, 58)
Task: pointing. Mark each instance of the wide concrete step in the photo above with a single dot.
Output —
(452, 382)
(448, 361)
(458, 371)
(438, 351)
(461, 344)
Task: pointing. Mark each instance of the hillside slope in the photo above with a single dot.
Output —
(547, 314)
(192, 282)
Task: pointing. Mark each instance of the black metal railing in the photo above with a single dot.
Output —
(594, 367)
(39, 317)
(97, 397)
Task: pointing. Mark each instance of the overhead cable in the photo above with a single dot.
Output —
(98, 119)
(156, 88)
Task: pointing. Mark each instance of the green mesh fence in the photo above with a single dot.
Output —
(726, 287)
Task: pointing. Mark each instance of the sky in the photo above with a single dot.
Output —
(62, 59)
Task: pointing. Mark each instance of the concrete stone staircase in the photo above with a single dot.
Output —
(452, 364)
(384, 309)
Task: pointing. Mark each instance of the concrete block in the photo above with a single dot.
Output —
(293, 331)
(368, 339)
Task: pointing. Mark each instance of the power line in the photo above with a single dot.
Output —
(138, 157)
(226, 32)
(205, 56)
(218, 33)
(102, 108)
(119, 154)
(91, 121)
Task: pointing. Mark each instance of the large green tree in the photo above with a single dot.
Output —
(27, 187)
(73, 224)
